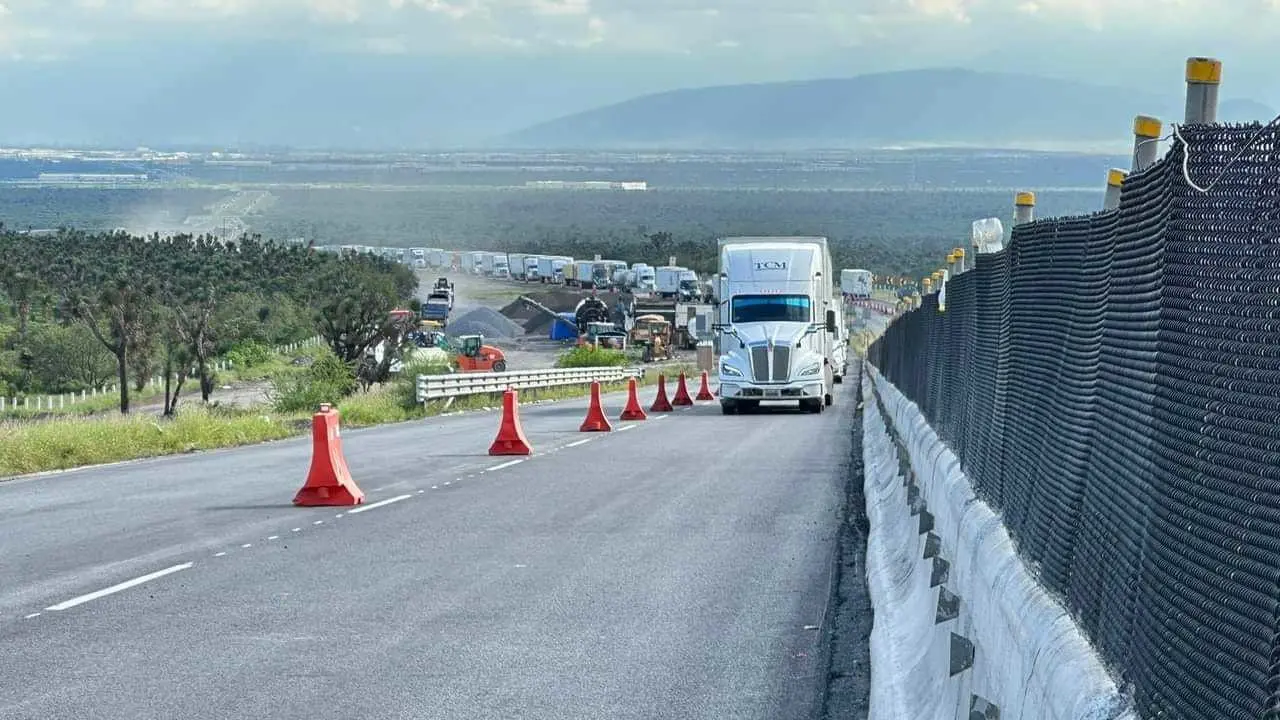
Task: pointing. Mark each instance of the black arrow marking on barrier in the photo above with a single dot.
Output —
(941, 572)
(961, 654)
(932, 545)
(948, 606)
(926, 521)
(981, 708)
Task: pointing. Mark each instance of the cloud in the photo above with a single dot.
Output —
(774, 28)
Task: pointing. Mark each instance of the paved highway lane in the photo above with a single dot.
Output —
(675, 569)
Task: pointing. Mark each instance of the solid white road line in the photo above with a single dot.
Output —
(117, 588)
(507, 464)
(626, 427)
(576, 443)
(378, 504)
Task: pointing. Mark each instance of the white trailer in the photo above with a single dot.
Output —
(856, 283)
(551, 268)
(778, 322)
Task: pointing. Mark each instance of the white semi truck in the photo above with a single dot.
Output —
(777, 322)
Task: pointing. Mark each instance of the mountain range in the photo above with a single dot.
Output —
(931, 107)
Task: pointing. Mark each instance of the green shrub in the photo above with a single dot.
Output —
(591, 356)
(327, 380)
(249, 353)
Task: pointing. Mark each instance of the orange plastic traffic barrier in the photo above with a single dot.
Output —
(595, 421)
(682, 393)
(511, 439)
(632, 411)
(328, 481)
(661, 403)
(704, 392)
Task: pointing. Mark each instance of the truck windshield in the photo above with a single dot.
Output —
(771, 308)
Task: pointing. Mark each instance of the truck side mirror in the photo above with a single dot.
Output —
(831, 321)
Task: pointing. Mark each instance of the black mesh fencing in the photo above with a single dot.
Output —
(1111, 384)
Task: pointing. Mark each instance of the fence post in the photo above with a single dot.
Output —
(1146, 141)
(1115, 178)
(1203, 77)
(1024, 207)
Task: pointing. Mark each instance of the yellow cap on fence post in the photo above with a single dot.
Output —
(1204, 75)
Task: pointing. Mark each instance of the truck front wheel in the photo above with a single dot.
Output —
(728, 407)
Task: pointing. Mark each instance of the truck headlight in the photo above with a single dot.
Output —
(811, 370)
(727, 369)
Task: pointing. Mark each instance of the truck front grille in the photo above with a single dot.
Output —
(781, 363)
(760, 364)
(761, 368)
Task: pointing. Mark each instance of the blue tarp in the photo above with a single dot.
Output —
(564, 328)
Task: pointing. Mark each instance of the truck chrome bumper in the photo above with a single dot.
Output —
(734, 388)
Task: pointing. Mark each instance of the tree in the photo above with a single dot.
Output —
(67, 358)
(353, 299)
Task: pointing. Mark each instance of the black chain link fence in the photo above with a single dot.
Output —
(1111, 384)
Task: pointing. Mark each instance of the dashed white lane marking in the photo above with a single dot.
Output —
(219, 554)
(339, 515)
(506, 464)
(273, 537)
(421, 491)
(626, 427)
(435, 487)
(318, 522)
(32, 615)
(378, 504)
(576, 443)
(247, 545)
(117, 588)
(448, 483)
(296, 530)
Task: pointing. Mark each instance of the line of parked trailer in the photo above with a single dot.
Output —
(669, 282)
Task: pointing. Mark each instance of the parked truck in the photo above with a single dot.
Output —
(777, 322)
(855, 283)
(582, 274)
(516, 265)
(551, 268)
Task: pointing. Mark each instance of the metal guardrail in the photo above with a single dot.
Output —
(438, 387)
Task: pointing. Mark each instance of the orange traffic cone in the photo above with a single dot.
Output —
(511, 439)
(596, 421)
(682, 393)
(632, 411)
(704, 392)
(661, 403)
(328, 481)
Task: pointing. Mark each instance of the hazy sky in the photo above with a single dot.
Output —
(553, 56)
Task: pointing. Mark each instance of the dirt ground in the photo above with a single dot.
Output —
(532, 350)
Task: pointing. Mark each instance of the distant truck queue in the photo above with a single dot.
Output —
(775, 311)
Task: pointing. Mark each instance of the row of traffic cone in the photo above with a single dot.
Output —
(511, 439)
(329, 481)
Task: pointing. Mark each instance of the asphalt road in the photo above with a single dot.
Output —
(675, 569)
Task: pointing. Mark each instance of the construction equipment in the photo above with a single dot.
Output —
(436, 308)
(653, 333)
(590, 310)
(605, 335)
(475, 356)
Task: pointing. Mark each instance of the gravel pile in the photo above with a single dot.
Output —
(487, 322)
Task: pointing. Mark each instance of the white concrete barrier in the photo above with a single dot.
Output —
(960, 624)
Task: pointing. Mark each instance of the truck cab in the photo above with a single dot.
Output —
(777, 323)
